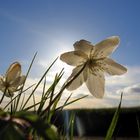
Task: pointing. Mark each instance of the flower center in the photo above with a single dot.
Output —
(92, 62)
(95, 65)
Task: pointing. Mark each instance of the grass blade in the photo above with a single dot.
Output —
(138, 124)
(19, 97)
(66, 84)
(71, 123)
(114, 122)
(16, 97)
(38, 84)
(68, 103)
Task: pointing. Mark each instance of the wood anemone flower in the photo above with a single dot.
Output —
(96, 59)
(12, 80)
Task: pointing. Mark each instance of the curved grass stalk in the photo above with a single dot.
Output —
(38, 84)
(19, 97)
(114, 121)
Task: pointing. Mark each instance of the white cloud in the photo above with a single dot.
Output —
(128, 83)
(114, 86)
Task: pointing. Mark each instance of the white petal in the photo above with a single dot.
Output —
(17, 82)
(74, 58)
(106, 47)
(22, 79)
(79, 80)
(10, 93)
(1, 83)
(95, 84)
(113, 68)
(13, 72)
(84, 46)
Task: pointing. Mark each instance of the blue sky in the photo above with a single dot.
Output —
(50, 27)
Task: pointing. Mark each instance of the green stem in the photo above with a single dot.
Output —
(19, 97)
(63, 88)
(3, 95)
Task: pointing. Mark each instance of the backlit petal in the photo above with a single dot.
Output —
(79, 80)
(10, 92)
(113, 68)
(1, 83)
(106, 47)
(18, 81)
(95, 84)
(13, 72)
(74, 58)
(84, 46)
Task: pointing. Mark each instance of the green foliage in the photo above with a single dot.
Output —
(18, 122)
(138, 124)
(113, 122)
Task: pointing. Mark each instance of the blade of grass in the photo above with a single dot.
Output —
(17, 96)
(138, 124)
(114, 121)
(30, 107)
(44, 87)
(42, 97)
(50, 91)
(71, 125)
(52, 108)
(68, 103)
(38, 84)
(11, 107)
(3, 96)
(34, 102)
(18, 99)
(63, 88)
(57, 78)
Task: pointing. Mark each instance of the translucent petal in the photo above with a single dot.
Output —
(95, 84)
(1, 83)
(13, 72)
(18, 81)
(79, 80)
(106, 47)
(84, 46)
(10, 92)
(113, 68)
(74, 58)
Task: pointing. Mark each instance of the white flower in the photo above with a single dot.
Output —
(12, 80)
(97, 62)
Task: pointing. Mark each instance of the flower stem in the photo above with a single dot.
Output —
(3, 96)
(66, 84)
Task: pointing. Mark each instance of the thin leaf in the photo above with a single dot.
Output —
(17, 96)
(138, 124)
(50, 93)
(25, 81)
(38, 84)
(3, 96)
(68, 103)
(63, 88)
(34, 102)
(114, 121)
(71, 123)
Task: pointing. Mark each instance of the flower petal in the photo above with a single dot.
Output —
(1, 83)
(13, 72)
(10, 92)
(95, 84)
(79, 80)
(113, 68)
(18, 81)
(74, 58)
(106, 47)
(84, 46)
